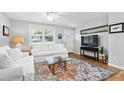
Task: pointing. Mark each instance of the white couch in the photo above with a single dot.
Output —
(20, 67)
(47, 50)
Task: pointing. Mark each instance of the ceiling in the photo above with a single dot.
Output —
(69, 19)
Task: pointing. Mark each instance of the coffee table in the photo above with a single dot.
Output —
(52, 61)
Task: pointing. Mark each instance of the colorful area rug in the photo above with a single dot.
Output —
(77, 70)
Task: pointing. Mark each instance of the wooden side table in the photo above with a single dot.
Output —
(103, 58)
(25, 49)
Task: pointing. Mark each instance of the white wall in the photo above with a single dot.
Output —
(59, 30)
(20, 28)
(77, 41)
(4, 20)
(94, 23)
(23, 28)
(116, 42)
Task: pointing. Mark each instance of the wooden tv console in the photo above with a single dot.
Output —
(91, 49)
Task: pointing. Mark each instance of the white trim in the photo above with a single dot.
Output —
(116, 66)
(30, 35)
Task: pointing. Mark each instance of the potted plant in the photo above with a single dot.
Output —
(101, 50)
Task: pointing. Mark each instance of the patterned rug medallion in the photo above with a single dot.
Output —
(76, 71)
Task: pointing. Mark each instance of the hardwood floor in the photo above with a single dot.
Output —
(117, 77)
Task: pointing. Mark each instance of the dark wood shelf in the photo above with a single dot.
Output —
(91, 49)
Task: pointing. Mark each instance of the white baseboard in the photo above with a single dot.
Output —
(116, 66)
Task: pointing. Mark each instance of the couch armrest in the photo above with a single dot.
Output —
(25, 54)
(11, 74)
(33, 51)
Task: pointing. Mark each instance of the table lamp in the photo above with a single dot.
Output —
(18, 40)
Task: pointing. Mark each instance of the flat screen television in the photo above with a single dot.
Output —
(90, 40)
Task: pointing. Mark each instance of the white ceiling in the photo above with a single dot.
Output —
(70, 19)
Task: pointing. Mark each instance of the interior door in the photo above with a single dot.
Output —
(69, 40)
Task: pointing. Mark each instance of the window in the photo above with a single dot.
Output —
(42, 34)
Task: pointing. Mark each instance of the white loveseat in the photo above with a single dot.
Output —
(19, 68)
(47, 50)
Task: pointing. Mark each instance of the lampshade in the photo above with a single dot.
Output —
(18, 39)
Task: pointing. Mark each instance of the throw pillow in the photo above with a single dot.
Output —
(4, 49)
(5, 61)
(15, 53)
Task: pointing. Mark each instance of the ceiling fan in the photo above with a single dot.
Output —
(53, 15)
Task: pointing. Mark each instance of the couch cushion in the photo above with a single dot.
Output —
(42, 47)
(44, 53)
(48, 47)
(60, 52)
(5, 61)
(4, 49)
(57, 47)
(15, 53)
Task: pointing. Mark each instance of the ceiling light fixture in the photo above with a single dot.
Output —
(52, 16)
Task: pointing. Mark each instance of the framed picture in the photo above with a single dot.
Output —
(5, 31)
(59, 36)
(116, 28)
